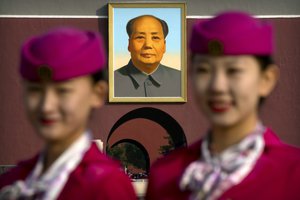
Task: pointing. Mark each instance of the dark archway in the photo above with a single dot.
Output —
(164, 119)
(140, 146)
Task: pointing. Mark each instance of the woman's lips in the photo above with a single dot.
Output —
(47, 122)
(219, 107)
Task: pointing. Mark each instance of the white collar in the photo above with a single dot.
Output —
(56, 176)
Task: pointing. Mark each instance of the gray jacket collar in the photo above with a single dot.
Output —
(139, 77)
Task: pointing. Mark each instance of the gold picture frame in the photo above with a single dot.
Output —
(168, 82)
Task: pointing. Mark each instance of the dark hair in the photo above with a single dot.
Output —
(162, 22)
(99, 76)
(264, 62)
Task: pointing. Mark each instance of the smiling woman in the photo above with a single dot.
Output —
(228, 88)
(60, 110)
(238, 155)
(60, 71)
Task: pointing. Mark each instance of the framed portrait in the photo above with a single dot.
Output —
(147, 52)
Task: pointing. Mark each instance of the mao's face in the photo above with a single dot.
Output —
(146, 43)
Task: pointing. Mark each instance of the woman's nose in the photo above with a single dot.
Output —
(48, 101)
(219, 82)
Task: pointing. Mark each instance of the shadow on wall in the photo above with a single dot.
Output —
(141, 136)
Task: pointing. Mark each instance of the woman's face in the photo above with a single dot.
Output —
(60, 110)
(228, 88)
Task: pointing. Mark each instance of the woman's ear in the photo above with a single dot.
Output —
(100, 93)
(269, 78)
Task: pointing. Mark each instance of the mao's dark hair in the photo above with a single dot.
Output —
(162, 22)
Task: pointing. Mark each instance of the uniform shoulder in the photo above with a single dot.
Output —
(94, 159)
(280, 150)
(285, 152)
(166, 172)
(103, 177)
(178, 158)
(19, 172)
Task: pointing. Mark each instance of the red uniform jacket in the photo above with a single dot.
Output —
(96, 177)
(276, 175)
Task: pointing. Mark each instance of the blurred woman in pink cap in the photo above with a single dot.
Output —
(239, 158)
(63, 81)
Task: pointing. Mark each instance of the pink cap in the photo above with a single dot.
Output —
(232, 33)
(62, 54)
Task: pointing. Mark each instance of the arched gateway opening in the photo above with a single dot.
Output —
(141, 136)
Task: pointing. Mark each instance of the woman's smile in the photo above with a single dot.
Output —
(219, 106)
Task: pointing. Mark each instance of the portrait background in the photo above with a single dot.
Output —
(172, 16)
